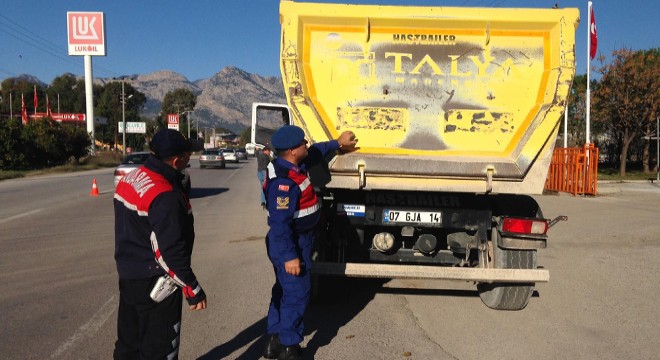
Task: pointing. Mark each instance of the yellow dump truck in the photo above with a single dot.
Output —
(456, 111)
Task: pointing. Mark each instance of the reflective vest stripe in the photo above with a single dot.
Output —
(307, 211)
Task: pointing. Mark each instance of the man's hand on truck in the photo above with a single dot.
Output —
(347, 141)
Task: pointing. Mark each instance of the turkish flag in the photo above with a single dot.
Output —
(24, 116)
(36, 100)
(593, 35)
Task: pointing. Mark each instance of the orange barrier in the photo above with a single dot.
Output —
(574, 170)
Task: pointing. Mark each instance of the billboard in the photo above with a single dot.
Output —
(133, 128)
(86, 33)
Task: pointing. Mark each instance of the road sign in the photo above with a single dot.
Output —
(173, 121)
(86, 33)
(133, 128)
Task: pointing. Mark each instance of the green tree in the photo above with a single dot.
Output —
(246, 136)
(18, 87)
(12, 154)
(110, 106)
(626, 98)
(68, 94)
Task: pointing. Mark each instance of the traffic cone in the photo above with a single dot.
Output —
(95, 189)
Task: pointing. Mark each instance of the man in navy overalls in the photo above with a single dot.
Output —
(293, 213)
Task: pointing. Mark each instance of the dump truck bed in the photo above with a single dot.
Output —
(440, 98)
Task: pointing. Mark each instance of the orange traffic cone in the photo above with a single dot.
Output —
(95, 189)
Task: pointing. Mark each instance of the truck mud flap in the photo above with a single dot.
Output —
(432, 272)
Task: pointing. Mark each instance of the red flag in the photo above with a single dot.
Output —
(593, 36)
(36, 100)
(23, 111)
(48, 111)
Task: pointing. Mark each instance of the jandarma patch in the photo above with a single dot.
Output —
(283, 188)
(282, 202)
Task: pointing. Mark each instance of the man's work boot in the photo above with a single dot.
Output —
(290, 353)
(273, 347)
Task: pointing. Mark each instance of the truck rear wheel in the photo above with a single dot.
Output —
(508, 296)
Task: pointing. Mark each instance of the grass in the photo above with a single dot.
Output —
(631, 174)
(101, 160)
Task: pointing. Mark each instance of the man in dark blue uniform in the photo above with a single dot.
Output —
(293, 213)
(154, 237)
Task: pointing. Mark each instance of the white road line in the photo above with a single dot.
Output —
(89, 328)
(19, 216)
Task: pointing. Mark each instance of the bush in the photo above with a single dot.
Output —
(40, 143)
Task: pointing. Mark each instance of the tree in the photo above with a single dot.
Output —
(179, 101)
(626, 99)
(110, 106)
(68, 94)
(246, 136)
(576, 112)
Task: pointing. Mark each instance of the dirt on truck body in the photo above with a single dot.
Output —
(456, 111)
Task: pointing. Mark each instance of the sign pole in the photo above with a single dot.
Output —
(123, 117)
(86, 37)
(89, 100)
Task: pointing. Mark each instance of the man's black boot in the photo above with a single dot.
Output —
(273, 347)
(290, 353)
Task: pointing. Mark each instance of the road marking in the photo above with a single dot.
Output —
(19, 216)
(89, 328)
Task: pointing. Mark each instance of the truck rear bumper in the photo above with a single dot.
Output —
(432, 272)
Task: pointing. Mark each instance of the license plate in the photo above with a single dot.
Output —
(412, 217)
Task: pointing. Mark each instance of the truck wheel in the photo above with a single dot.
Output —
(508, 296)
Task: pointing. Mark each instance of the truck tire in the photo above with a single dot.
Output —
(508, 296)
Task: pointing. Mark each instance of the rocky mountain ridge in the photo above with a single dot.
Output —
(223, 100)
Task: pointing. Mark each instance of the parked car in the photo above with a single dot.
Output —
(130, 163)
(230, 155)
(242, 154)
(211, 158)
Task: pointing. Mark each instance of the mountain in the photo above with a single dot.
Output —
(224, 100)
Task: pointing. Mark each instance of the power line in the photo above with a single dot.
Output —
(26, 36)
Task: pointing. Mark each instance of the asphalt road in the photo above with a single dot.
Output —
(60, 286)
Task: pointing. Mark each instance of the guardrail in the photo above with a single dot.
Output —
(574, 170)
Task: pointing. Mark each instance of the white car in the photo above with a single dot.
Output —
(130, 163)
(230, 155)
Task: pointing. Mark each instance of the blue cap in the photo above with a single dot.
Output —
(287, 137)
(168, 142)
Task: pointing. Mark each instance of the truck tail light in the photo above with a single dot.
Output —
(525, 226)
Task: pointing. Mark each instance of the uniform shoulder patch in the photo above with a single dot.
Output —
(282, 202)
(283, 188)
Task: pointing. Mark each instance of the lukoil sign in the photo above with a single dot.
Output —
(86, 33)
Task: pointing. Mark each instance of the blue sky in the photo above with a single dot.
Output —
(199, 38)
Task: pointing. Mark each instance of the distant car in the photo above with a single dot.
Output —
(130, 163)
(230, 155)
(242, 154)
(211, 158)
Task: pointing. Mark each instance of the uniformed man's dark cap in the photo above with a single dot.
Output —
(288, 137)
(168, 142)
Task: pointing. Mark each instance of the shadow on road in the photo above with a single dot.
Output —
(243, 338)
(196, 193)
(339, 302)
